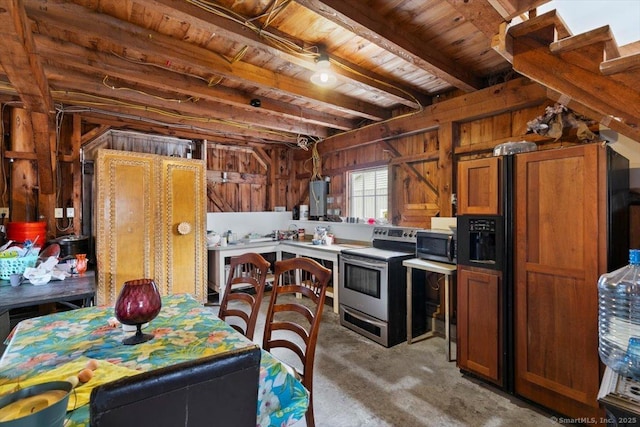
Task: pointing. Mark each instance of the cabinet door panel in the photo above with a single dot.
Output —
(126, 207)
(556, 272)
(479, 328)
(479, 186)
(184, 250)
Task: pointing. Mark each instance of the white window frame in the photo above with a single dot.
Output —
(381, 212)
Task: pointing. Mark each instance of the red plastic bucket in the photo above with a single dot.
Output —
(23, 231)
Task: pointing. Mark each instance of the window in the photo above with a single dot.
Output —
(368, 195)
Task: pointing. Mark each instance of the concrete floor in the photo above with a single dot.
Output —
(359, 383)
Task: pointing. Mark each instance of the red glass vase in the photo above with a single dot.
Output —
(81, 263)
(139, 302)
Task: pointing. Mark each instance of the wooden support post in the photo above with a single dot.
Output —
(23, 173)
(76, 173)
(447, 133)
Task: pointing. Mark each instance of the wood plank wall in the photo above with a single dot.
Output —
(248, 179)
(258, 178)
(417, 169)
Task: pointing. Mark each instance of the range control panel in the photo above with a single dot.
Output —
(398, 234)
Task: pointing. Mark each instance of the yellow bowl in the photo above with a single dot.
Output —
(41, 405)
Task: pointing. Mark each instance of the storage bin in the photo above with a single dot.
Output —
(17, 265)
(22, 231)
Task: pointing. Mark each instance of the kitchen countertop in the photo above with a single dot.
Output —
(335, 248)
(239, 245)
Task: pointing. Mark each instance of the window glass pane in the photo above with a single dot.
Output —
(368, 193)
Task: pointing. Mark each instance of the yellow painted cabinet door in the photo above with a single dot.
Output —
(126, 209)
(183, 230)
(150, 222)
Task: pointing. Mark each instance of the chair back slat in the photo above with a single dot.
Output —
(244, 291)
(293, 322)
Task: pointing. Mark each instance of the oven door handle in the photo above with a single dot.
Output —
(450, 248)
(363, 319)
(364, 262)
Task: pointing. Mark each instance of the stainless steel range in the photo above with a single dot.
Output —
(373, 298)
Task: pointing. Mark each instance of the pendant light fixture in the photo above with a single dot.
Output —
(323, 76)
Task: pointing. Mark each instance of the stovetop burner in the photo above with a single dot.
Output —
(389, 242)
(395, 234)
(402, 239)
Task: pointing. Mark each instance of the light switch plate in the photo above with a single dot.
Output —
(70, 212)
(58, 213)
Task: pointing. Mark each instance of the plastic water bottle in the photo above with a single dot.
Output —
(619, 318)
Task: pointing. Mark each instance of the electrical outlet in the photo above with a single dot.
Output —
(58, 213)
(70, 212)
(4, 212)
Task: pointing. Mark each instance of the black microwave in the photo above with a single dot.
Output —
(436, 245)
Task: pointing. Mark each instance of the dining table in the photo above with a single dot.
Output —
(184, 330)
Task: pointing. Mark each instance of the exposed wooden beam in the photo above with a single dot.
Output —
(361, 19)
(447, 136)
(515, 94)
(509, 9)
(533, 59)
(262, 157)
(598, 35)
(217, 199)
(121, 93)
(81, 90)
(236, 178)
(490, 145)
(93, 134)
(44, 139)
(410, 168)
(20, 60)
(484, 18)
(629, 63)
(144, 45)
(259, 39)
(151, 121)
(540, 22)
(151, 126)
(93, 62)
(502, 42)
(427, 156)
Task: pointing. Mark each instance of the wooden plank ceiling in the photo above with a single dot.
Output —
(237, 71)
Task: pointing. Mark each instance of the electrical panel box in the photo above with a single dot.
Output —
(318, 198)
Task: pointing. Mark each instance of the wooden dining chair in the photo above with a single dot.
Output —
(244, 291)
(292, 323)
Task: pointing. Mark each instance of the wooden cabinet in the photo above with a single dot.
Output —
(560, 252)
(150, 223)
(479, 322)
(479, 186)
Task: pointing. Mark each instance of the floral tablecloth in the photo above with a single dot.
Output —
(184, 330)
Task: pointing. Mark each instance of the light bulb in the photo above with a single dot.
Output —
(323, 75)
